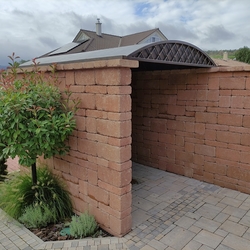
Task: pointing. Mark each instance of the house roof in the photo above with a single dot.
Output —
(138, 37)
(164, 54)
(93, 41)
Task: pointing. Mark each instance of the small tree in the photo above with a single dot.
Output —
(34, 119)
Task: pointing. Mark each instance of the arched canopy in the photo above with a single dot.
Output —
(162, 55)
(173, 52)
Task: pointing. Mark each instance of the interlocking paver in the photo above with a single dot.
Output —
(185, 222)
(192, 245)
(170, 212)
(222, 247)
(236, 242)
(209, 211)
(221, 217)
(206, 248)
(209, 239)
(234, 228)
(177, 238)
(209, 225)
(231, 201)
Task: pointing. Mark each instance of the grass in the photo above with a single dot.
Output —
(17, 193)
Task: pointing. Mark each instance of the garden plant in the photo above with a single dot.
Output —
(83, 225)
(19, 196)
(34, 119)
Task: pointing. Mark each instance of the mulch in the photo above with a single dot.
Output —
(52, 233)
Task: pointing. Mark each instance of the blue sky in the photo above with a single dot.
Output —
(32, 28)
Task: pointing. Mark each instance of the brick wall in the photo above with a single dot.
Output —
(97, 169)
(194, 123)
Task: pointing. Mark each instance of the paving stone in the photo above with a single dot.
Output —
(234, 228)
(245, 221)
(208, 239)
(222, 247)
(221, 232)
(205, 248)
(209, 211)
(212, 200)
(229, 192)
(195, 229)
(234, 211)
(242, 196)
(192, 245)
(221, 217)
(236, 242)
(139, 216)
(231, 201)
(143, 203)
(157, 244)
(209, 225)
(177, 238)
(148, 248)
(185, 222)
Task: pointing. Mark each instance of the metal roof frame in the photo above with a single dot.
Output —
(171, 53)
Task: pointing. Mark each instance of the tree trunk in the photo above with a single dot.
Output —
(33, 172)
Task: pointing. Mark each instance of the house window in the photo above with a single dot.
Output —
(152, 39)
(82, 38)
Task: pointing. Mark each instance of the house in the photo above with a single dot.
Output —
(87, 40)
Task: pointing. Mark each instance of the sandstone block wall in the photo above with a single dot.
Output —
(194, 123)
(97, 169)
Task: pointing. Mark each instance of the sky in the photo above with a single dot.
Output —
(31, 28)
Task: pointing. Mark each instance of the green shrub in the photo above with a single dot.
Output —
(243, 55)
(36, 118)
(17, 193)
(83, 225)
(38, 216)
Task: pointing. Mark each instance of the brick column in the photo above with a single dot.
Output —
(100, 178)
(97, 170)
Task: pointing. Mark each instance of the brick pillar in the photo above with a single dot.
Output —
(102, 145)
(114, 151)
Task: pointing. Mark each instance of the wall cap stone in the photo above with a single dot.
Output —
(112, 63)
(212, 70)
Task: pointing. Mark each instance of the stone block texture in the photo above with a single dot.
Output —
(97, 170)
(194, 123)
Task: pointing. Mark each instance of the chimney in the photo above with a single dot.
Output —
(225, 56)
(98, 27)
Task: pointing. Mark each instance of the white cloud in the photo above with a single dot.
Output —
(32, 28)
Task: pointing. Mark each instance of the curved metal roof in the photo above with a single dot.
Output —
(173, 52)
(160, 55)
